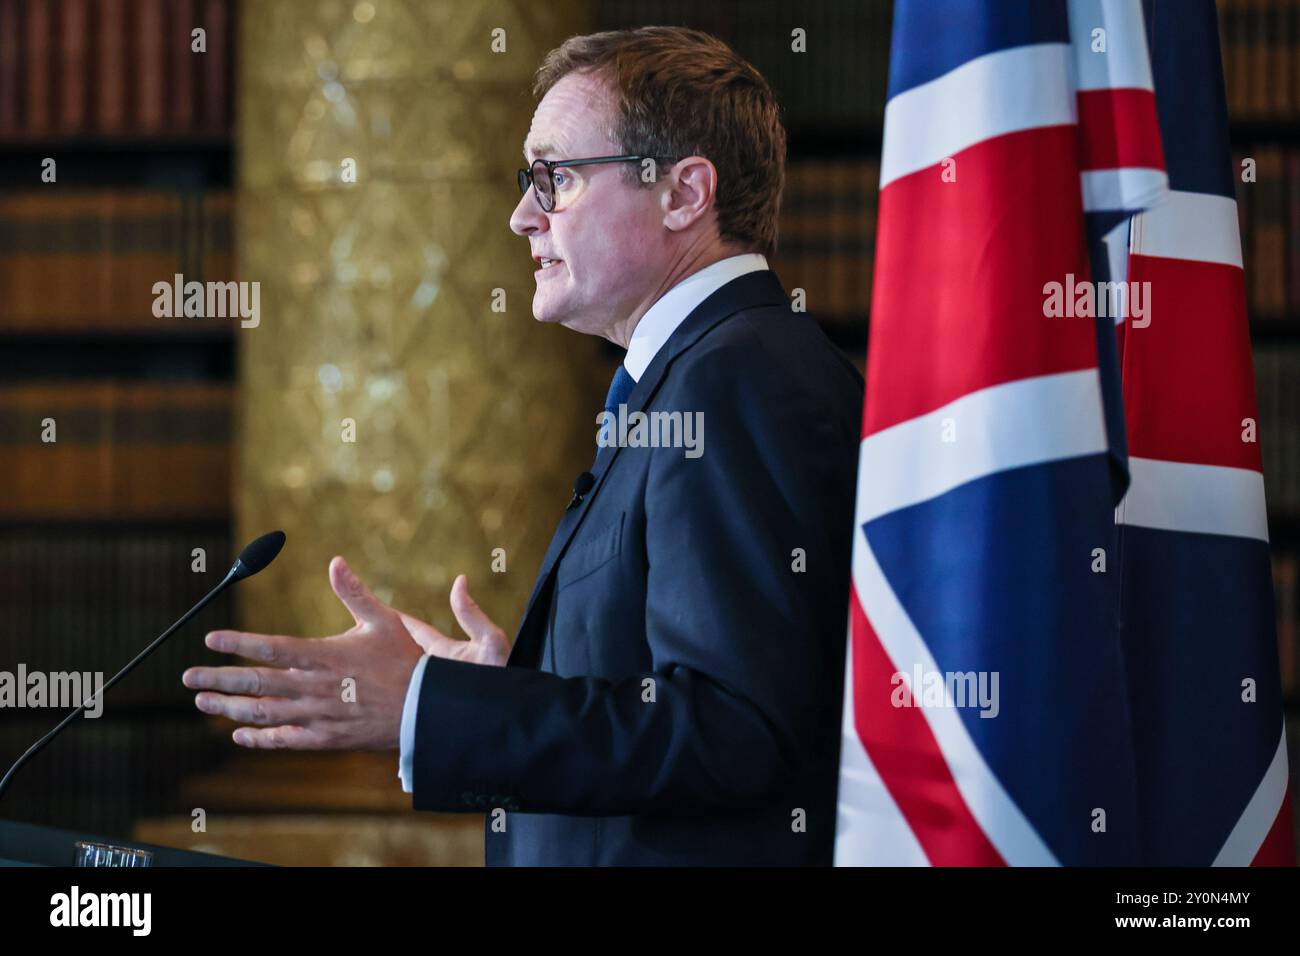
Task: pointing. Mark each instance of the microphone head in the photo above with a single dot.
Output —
(584, 483)
(258, 554)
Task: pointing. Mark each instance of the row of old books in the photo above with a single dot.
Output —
(85, 599)
(826, 240)
(828, 63)
(77, 599)
(1260, 42)
(101, 775)
(841, 77)
(114, 68)
(828, 222)
(1277, 390)
(105, 450)
(88, 260)
(1269, 209)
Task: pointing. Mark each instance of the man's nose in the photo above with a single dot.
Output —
(528, 217)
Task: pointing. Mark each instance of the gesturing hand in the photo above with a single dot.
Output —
(343, 692)
(487, 643)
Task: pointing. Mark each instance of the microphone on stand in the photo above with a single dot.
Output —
(255, 556)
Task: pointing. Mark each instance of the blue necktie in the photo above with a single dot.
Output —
(619, 389)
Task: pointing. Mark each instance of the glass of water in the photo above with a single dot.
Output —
(105, 854)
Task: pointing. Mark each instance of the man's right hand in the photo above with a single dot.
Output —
(487, 643)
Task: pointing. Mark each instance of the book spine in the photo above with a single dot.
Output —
(110, 77)
(10, 69)
(181, 64)
(73, 41)
(150, 90)
(39, 119)
(216, 73)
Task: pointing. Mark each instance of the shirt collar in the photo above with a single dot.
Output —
(671, 309)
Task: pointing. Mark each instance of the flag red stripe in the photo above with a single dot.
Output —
(903, 749)
(1188, 377)
(1123, 129)
(960, 271)
(1277, 848)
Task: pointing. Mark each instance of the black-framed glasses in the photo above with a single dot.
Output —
(541, 175)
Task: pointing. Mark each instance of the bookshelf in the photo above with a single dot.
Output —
(112, 91)
(98, 528)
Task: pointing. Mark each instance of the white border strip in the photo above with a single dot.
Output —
(1200, 227)
(1026, 422)
(1003, 92)
(1125, 62)
(1202, 499)
(1257, 819)
(1123, 188)
(870, 829)
(999, 817)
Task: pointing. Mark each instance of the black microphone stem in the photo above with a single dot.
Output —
(40, 744)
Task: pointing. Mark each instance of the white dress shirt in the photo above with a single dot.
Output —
(652, 331)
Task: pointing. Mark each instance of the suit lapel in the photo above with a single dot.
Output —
(751, 290)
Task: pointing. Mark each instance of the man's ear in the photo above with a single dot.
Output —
(692, 188)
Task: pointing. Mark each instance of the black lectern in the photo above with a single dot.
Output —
(26, 844)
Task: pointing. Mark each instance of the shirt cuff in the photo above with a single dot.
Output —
(406, 762)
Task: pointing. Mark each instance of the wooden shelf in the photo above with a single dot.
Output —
(851, 330)
(1265, 130)
(864, 139)
(95, 142)
(190, 330)
(1275, 330)
(394, 838)
(139, 356)
(1283, 527)
(860, 141)
(297, 781)
(131, 162)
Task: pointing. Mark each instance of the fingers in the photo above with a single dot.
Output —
(267, 648)
(356, 597)
(469, 615)
(424, 634)
(289, 737)
(253, 681)
(263, 711)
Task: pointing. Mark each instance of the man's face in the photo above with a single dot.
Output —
(607, 234)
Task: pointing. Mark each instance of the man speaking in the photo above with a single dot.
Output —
(673, 692)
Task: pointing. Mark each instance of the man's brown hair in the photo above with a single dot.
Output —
(681, 92)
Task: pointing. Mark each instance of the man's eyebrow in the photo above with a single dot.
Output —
(542, 149)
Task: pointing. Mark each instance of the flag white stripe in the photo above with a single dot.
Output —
(870, 830)
(1202, 499)
(1002, 92)
(1257, 819)
(1123, 63)
(1025, 422)
(1199, 227)
(997, 814)
(1122, 188)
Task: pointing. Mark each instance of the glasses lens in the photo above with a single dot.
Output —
(525, 180)
(542, 183)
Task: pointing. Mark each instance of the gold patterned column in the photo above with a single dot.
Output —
(376, 308)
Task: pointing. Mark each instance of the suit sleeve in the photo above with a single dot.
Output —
(727, 715)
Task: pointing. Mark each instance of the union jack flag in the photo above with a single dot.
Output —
(1197, 599)
(995, 710)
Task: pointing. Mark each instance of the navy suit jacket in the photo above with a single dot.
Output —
(673, 694)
